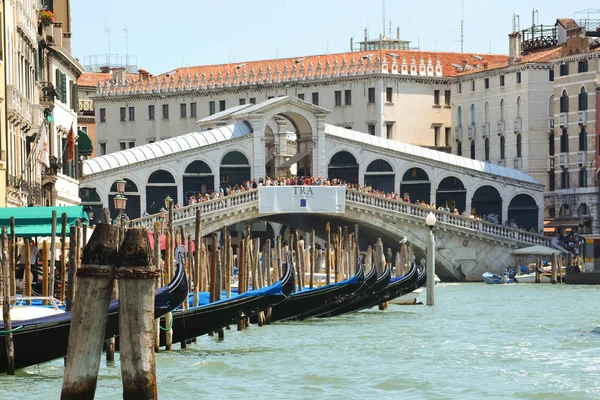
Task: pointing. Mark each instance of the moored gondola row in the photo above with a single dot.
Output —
(285, 279)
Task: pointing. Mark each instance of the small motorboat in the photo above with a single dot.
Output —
(495, 279)
(29, 307)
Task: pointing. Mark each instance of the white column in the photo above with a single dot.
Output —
(320, 158)
(258, 145)
(505, 210)
(468, 201)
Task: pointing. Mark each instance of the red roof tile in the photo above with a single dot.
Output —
(567, 23)
(92, 78)
(541, 56)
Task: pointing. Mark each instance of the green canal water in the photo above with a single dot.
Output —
(478, 342)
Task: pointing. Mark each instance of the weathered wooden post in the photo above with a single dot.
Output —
(27, 272)
(158, 267)
(12, 258)
(313, 259)
(241, 276)
(52, 256)
(73, 266)
(328, 254)
(8, 337)
(137, 276)
(63, 256)
(196, 264)
(90, 313)
(45, 273)
(554, 268)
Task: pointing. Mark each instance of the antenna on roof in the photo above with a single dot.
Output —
(462, 26)
(126, 49)
(107, 31)
(383, 15)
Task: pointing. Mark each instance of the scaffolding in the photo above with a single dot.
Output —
(98, 62)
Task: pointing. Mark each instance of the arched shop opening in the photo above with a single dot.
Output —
(380, 176)
(416, 186)
(343, 166)
(486, 201)
(451, 193)
(234, 170)
(523, 211)
(198, 178)
(161, 184)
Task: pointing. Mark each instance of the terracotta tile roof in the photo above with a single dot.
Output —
(541, 56)
(567, 23)
(302, 64)
(92, 78)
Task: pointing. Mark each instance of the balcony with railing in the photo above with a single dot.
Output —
(582, 117)
(86, 107)
(47, 94)
(458, 133)
(563, 119)
(517, 125)
(24, 21)
(471, 132)
(485, 130)
(19, 108)
(518, 163)
(563, 159)
(581, 157)
(500, 127)
(550, 162)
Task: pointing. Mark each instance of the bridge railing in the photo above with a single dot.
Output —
(448, 218)
(206, 207)
(443, 217)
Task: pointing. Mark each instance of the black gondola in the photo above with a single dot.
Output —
(200, 320)
(369, 282)
(302, 303)
(393, 288)
(44, 339)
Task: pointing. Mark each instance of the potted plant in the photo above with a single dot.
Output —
(46, 17)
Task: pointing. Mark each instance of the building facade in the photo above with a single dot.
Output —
(395, 94)
(3, 119)
(537, 112)
(41, 95)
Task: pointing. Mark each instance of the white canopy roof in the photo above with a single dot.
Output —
(537, 250)
(428, 153)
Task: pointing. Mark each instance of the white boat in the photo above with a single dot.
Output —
(21, 310)
(411, 298)
(530, 278)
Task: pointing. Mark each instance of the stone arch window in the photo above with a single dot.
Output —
(459, 112)
(472, 114)
(564, 211)
(564, 141)
(459, 148)
(485, 201)
(582, 139)
(472, 149)
(487, 112)
(486, 145)
(519, 145)
(502, 147)
(582, 100)
(583, 210)
(416, 185)
(564, 102)
(161, 176)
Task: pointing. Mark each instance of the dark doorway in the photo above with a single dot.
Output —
(197, 179)
(91, 198)
(416, 185)
(486, 201)
(343, 166)
(523, 211)
(160, 185)
(380, 176)
(235, 169)
(451, 194)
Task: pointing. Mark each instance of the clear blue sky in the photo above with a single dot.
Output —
(168, 34)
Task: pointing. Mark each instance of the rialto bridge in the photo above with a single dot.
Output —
(286, 135)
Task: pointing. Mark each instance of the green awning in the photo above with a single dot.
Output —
(84, 144)
(37, 221)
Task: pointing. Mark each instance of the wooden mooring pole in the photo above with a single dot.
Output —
(8, 337)
(90, 313)
(137, 275)
(63, 257)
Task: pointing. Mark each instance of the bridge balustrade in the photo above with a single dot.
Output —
(443, 217)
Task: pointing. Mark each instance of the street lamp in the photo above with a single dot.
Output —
(430, 221)
(168, 202)
(163, 215)
(121, 185)
(120, 204)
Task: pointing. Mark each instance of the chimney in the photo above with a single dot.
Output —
(143, 75)
(105, 69)
(67, 41)
(351, 44)
(514, 48)
(398, 33)
(119, 74)
(57, 34)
